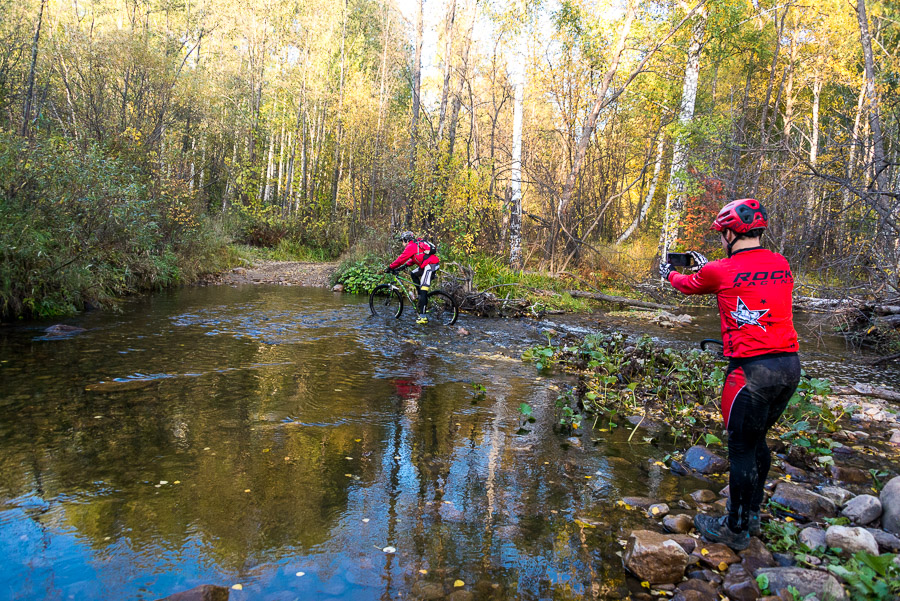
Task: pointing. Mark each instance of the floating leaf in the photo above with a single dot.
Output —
(389, 549)
(237, 587)
(300, 574)
(423, 572)
(458, 584)
(645, 584)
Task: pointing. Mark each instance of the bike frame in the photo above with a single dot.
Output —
(403, 284)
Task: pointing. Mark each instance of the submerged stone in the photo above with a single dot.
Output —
(204, 592)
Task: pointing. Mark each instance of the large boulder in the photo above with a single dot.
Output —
(655, 557)
(803, 501)
(862, 510)
(807, 582)
(851, 539)
(890, 505)
(204, 592)
(701, 459)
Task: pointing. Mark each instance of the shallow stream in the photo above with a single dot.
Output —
(279, 439)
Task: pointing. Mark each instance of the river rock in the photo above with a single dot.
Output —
(813, 537)
(679, 524)
(62, 329)
(704, 495)
(851, 539)
(839, 495)
(890, 506)
(895, 438)
(703, 460)
(795, 472)
(716, 555)
(850, 475)
(703, 590)
(639, 502)
(427, 591)
(204, 592)
(658, 510)
(803, 501)
(756, 556)
(688, 543)
(807, 582)
(887, 542)
(863, 509)
(739, 584)
(337, 288)
(784, 560)
(654, 557)
(460, 596)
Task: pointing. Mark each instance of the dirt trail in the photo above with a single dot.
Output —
(286, 273)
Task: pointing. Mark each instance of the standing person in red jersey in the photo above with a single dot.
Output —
(423, 255)
(753, 288)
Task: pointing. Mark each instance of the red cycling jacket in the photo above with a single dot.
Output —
(753, 289)
(413, 253)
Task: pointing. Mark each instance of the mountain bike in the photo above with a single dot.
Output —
(387, 300)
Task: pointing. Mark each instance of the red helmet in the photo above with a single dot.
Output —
(741, 216)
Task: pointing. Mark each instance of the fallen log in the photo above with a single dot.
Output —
(887, 359)
(631, 302)
(859, 389)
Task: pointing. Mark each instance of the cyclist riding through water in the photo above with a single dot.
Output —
(423, 255)
(753, 288)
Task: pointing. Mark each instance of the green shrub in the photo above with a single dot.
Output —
(79, 226)
(360, 277)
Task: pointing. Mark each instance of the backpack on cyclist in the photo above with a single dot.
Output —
(427, 248)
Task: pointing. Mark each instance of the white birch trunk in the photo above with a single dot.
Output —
(677, 173)
(515, 204)
(660, 150)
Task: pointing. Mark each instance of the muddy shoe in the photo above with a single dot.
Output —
(716, 530)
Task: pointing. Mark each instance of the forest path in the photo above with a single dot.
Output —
(289, 273)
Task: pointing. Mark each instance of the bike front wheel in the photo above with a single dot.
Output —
(386, 301)
(442, 308)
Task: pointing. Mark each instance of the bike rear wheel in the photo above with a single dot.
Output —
(386, 301)
(442, 308)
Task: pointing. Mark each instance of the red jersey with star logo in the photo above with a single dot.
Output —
(753, 288)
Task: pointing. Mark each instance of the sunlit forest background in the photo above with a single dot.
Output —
(140, 138)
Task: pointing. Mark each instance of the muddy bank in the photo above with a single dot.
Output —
(285, 273)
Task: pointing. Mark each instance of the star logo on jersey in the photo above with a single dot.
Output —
(744, 316)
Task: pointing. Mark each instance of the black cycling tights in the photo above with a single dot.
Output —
(754, 397)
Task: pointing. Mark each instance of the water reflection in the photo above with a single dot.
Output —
(279, 431)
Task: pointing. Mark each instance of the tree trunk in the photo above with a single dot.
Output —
(677, 173)
(881, 203)
(338, 154)
(660, 150)
(814, 141)
(515, 205)
(588, 129)
(448, 50)
(463, 74)
(29, 84)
